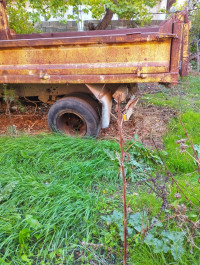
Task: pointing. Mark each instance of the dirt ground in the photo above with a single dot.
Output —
(147, 122)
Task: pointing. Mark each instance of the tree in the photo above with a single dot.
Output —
(170, 3)
(195, 32)
(101, 9)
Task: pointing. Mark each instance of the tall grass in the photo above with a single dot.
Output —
(54, 190)
(51, 192)
(181, 162)
(184, 97)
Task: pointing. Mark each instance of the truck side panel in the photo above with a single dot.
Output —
(99, 59)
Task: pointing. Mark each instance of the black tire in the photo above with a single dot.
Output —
(74, 116)
(87, 97)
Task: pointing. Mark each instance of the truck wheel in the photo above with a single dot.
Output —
(74, 116)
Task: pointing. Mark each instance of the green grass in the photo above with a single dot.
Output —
(189, 186)
(181, 162)
(143, 200)
(184, 97)
(54, 191)
(143, 255)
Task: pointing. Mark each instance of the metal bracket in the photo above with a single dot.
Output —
(104, 96)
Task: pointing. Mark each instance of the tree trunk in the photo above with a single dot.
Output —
(104, 23)
(170, 3)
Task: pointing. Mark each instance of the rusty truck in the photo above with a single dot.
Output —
(80, 74)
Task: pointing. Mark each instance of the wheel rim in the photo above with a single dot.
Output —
(71, 123)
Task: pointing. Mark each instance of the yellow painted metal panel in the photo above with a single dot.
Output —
(146, 57)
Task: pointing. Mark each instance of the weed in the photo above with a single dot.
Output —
(184, 97)
(54, 190)
(177, 161)
(9, 97)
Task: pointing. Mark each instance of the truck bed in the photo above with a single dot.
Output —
(151, 54)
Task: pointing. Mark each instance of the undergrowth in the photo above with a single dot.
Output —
(183, 97)
(182, 162)
(53, 190)
(56, 193)
(60, 197)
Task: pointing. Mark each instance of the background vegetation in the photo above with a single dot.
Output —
(60, 198)
(22, 20)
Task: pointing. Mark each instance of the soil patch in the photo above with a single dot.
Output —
(27, 119)
(148, 122)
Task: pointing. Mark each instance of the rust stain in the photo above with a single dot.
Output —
(90, 79)
(82, 69)
(185, 50)
(154, 54)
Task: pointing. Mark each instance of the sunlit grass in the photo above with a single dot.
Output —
(184, 97)
(54, 190)
(56, 187)
(182, 162)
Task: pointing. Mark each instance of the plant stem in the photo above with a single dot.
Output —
(192, 146)
(120, 122)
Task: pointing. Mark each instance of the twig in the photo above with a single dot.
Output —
(120, 122)
(197, 161)
(97, 257)
(36, 106)
(92, 244)
(172, 177)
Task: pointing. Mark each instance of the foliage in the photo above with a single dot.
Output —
(8, 94)
(55, 189)
(161, 240)
(139, 162)
(195, 17)
(60, 199)
(52, 195)
(195, 30)
(9, 97)
(17, 10)
(19, 18)
(176, 160)
(183, 97)
(129, 9)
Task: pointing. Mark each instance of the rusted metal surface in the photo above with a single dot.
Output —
(71, 124)
(86, 40)
(104, 63)
(176, 48)
(121, 93)
(185, 48)
(100, 57)
(91, 79)
(180, 46)
(103, 94)
(97, 57)
(85, 68)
